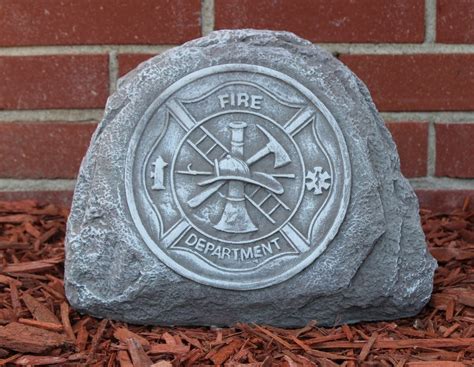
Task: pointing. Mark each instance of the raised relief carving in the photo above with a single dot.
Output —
(249, 180)
(158, 174)
(235, 171)
(318, 180)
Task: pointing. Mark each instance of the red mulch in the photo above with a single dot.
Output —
(39, 328)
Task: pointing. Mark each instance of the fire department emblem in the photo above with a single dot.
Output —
(238, 177)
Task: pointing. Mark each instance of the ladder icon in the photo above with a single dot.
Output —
(215, 143)
(260, 204)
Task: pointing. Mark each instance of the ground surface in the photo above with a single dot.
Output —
(39, 328)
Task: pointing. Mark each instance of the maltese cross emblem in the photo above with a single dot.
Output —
(233, 169)
(238, 177)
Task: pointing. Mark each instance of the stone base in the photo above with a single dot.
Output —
(376, 268)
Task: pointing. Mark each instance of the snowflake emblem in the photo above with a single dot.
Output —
(318, 180)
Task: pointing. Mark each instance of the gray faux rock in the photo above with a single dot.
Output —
(244, 177)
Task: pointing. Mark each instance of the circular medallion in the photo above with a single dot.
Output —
(237, 176)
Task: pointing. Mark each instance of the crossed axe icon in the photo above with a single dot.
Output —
(235, 170)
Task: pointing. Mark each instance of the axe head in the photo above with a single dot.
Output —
(281, 156)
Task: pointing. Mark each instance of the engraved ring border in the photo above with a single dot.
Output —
(162, 255)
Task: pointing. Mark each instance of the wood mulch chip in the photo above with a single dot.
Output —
(37, 326)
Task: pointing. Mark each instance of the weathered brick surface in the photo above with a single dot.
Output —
(80, 80)
(444, 200)
(43, 150)
(455, 150)
(442, 82)
(54, 22)
(455, 21)
(412, 145)
(58, 81)
(128, 62)
(328, 21)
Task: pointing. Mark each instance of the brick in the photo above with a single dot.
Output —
(455, 21)
(455, 150)
(412, 145)
(328, 21)
(444, 200)
(57, 81)
(89, 22)
(128, 62)
(43, 150)
(60, 198)
(422, 82)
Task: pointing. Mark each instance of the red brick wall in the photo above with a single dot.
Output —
(59, 60)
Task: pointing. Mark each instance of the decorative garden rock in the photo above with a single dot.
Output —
(244, 177)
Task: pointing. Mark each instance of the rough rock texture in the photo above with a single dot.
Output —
(377, 267)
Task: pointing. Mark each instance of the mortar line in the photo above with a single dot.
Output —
(86, 115)
(207, 16)
(435, 116)
(431, 159)
(10, 184)
(347, 48)
(113, 71)
(442, 183)
(430, 21)
(90, 115)
(52, 122)
(82, 49)
(396, 48)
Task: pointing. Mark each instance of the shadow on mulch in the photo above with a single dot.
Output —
(39, 328)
